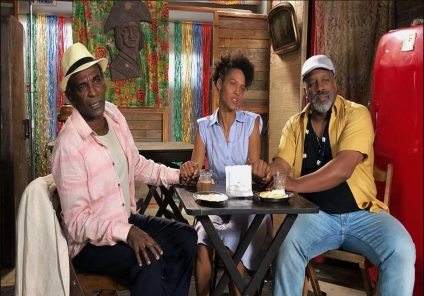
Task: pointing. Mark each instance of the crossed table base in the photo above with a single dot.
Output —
(166, 153)
(162, 203)
(295, 206)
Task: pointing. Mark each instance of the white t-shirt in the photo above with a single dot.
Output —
(110, 140)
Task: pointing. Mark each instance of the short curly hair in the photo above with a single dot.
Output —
(229, 61)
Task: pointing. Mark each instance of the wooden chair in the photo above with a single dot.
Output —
(346, 277)
(83, 284)
(86, 284)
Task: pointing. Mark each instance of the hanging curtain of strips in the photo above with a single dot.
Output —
(46, 46)
(191, 100)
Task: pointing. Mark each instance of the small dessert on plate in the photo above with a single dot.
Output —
(211, 198)
(274, 196)
(214, 197)
(281, 193)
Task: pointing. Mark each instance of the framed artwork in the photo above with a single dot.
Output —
(282, 26)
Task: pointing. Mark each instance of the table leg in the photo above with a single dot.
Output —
(241, 249)
(270, 254)
(143, 204)
(230, 263)
(169, 200)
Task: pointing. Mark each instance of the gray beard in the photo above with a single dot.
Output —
(322, 107)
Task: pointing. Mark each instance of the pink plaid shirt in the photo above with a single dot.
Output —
(93, 206)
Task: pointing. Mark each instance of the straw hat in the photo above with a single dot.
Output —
(75, 59)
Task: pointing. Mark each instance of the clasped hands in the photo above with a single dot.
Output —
(189, 173)
(261, 171)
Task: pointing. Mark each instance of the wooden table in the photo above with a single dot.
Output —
(246, 206)
(167, 153)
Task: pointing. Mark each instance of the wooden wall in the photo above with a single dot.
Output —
(406, 12)
(13, 157)
(285, 84)
(147, 124)
(8, 8)
(247, 33)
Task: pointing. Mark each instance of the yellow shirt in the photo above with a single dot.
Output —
(350, 129)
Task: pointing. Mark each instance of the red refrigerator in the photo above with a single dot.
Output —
(397, 114)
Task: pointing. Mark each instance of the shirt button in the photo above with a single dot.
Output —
(113, 163)
(123, 204)
(119, 184)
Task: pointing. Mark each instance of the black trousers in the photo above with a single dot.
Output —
(170, 275)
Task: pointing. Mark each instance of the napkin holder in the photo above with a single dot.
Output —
(238, 180)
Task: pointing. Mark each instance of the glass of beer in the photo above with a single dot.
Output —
(205, 180)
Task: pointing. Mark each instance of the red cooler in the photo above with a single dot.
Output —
(397, 114)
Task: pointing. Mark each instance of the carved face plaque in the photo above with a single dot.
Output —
(125, 18)
(130, 34)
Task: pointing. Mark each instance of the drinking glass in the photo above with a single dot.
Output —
(205, 180)
(279, 181)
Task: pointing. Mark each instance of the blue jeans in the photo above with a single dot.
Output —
(378, 236)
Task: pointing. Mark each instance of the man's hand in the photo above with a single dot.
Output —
(260, 170)
(292, 185)
(189, 173)
(138, 240)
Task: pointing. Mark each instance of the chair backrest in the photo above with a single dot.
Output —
(386, 177)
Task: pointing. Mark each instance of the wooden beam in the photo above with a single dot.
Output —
(173, 6)
(165, 126)
(244, 43)
(304, 48)
(254, 24)
(242, 14)
(244, 34)
(214, 102)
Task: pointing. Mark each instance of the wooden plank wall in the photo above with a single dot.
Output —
(248, 34)
(8, 8)
(147, 124)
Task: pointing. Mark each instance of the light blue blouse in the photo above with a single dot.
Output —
(220, 154)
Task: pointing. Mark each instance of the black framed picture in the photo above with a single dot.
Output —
(282, 26)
